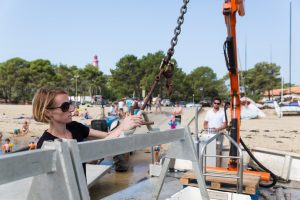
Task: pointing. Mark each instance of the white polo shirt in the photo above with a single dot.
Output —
(121, 104)
(215, 119)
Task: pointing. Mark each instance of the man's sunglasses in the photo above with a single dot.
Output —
(64, 106)
(217, 103)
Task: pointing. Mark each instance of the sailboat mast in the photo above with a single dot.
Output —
(290, 56)
(281, 99)
(246, 53)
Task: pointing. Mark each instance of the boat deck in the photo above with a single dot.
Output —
(172, 185)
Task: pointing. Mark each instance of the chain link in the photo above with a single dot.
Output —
(177, 31)
(169, 70)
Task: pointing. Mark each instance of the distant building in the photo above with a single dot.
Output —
(276, 93)
(95, 61)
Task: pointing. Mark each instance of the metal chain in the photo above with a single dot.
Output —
(168, 71)
(177, 31)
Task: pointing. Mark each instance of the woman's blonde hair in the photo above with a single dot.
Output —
(42, 100)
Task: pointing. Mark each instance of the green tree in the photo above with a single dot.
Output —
(22, 90)
(65, 78)
(91, 81)
(150, 68)
(181, 85)
(263, 77)
(204, 83)
(112, 95)
(125, 79)
(42, 74)
(287, 85)
(12, 73)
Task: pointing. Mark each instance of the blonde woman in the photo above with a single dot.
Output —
(52, 106)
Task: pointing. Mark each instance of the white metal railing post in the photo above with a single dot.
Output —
(182, 149)
(60, 184)
(79, 173)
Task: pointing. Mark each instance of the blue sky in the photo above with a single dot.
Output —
(71, 32)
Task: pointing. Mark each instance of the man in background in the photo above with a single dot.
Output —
(214, 120)
(214, 123)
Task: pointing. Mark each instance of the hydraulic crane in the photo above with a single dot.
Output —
(230, 8)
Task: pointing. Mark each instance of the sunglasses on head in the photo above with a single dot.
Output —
(64, 106)
(217, 103)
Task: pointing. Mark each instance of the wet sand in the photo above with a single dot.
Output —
(116, 181)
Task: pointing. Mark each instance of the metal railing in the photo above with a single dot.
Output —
(57, 168)
(197, 111)
(26, 164)
(203, 157)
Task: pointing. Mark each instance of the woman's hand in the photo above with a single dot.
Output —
(128, 123)
(131, 122)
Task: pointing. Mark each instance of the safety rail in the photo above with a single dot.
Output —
(26, 164)
(203, 156)
(115, 146)
(197, 111)
(57, 168)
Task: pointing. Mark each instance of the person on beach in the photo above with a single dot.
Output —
(156, 154)
(149, 104)
(177, 112)
(25, 128)
(129, 103)
(113, 109)
(122, 114)
(52, 106)
(32, 145)
(157, 104)
(214, 120)
(16, 131)
(136, 107)
(121, 105)
(172, 123)
(7, 146)
(214, 123)
(76, 111)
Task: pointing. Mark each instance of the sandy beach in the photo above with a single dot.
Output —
(269, 132)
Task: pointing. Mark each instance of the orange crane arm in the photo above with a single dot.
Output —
(230, 8)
